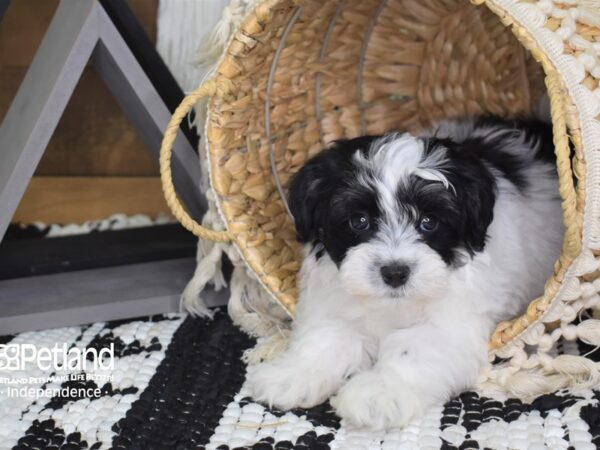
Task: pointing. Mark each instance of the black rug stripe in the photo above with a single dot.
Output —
(47, 436)
(201, 373)
(5, 339)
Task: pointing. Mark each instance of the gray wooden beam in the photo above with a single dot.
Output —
(42, 97)
(118, 292)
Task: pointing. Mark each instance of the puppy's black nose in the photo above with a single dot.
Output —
(395, 274)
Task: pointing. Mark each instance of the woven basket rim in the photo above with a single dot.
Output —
(559, 97)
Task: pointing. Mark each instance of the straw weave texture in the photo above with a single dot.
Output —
(376, 66)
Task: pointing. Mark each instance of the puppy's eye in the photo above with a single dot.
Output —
(428, 224)
(360, 222)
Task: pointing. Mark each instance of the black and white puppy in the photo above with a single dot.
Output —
(415, 248)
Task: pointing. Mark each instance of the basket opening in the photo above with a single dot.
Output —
(307, 72)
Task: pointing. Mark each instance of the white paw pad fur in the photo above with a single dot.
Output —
(368, 400)
(287, 386)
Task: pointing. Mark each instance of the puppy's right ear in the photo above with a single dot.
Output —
(310, 194)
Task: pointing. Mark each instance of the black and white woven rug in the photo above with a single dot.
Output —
(178, 383)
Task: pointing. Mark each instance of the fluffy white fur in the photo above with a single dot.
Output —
(385, 357)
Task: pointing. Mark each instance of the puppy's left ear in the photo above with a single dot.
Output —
(475, 189)
(310, 194)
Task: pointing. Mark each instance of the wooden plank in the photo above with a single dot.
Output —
(78, 199)
(145, 13)
(22, 30)
(94, 137)
(86, 296)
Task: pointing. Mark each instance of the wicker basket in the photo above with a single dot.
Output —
(299, 73)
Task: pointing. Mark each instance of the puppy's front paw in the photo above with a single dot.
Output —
(286, 385)
(372, 401)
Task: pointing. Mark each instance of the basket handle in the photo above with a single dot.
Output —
(562, 149)
(207, 88)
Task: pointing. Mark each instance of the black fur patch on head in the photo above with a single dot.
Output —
(536, 132)
(324, 193)
(465, 210)
(495, 149)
